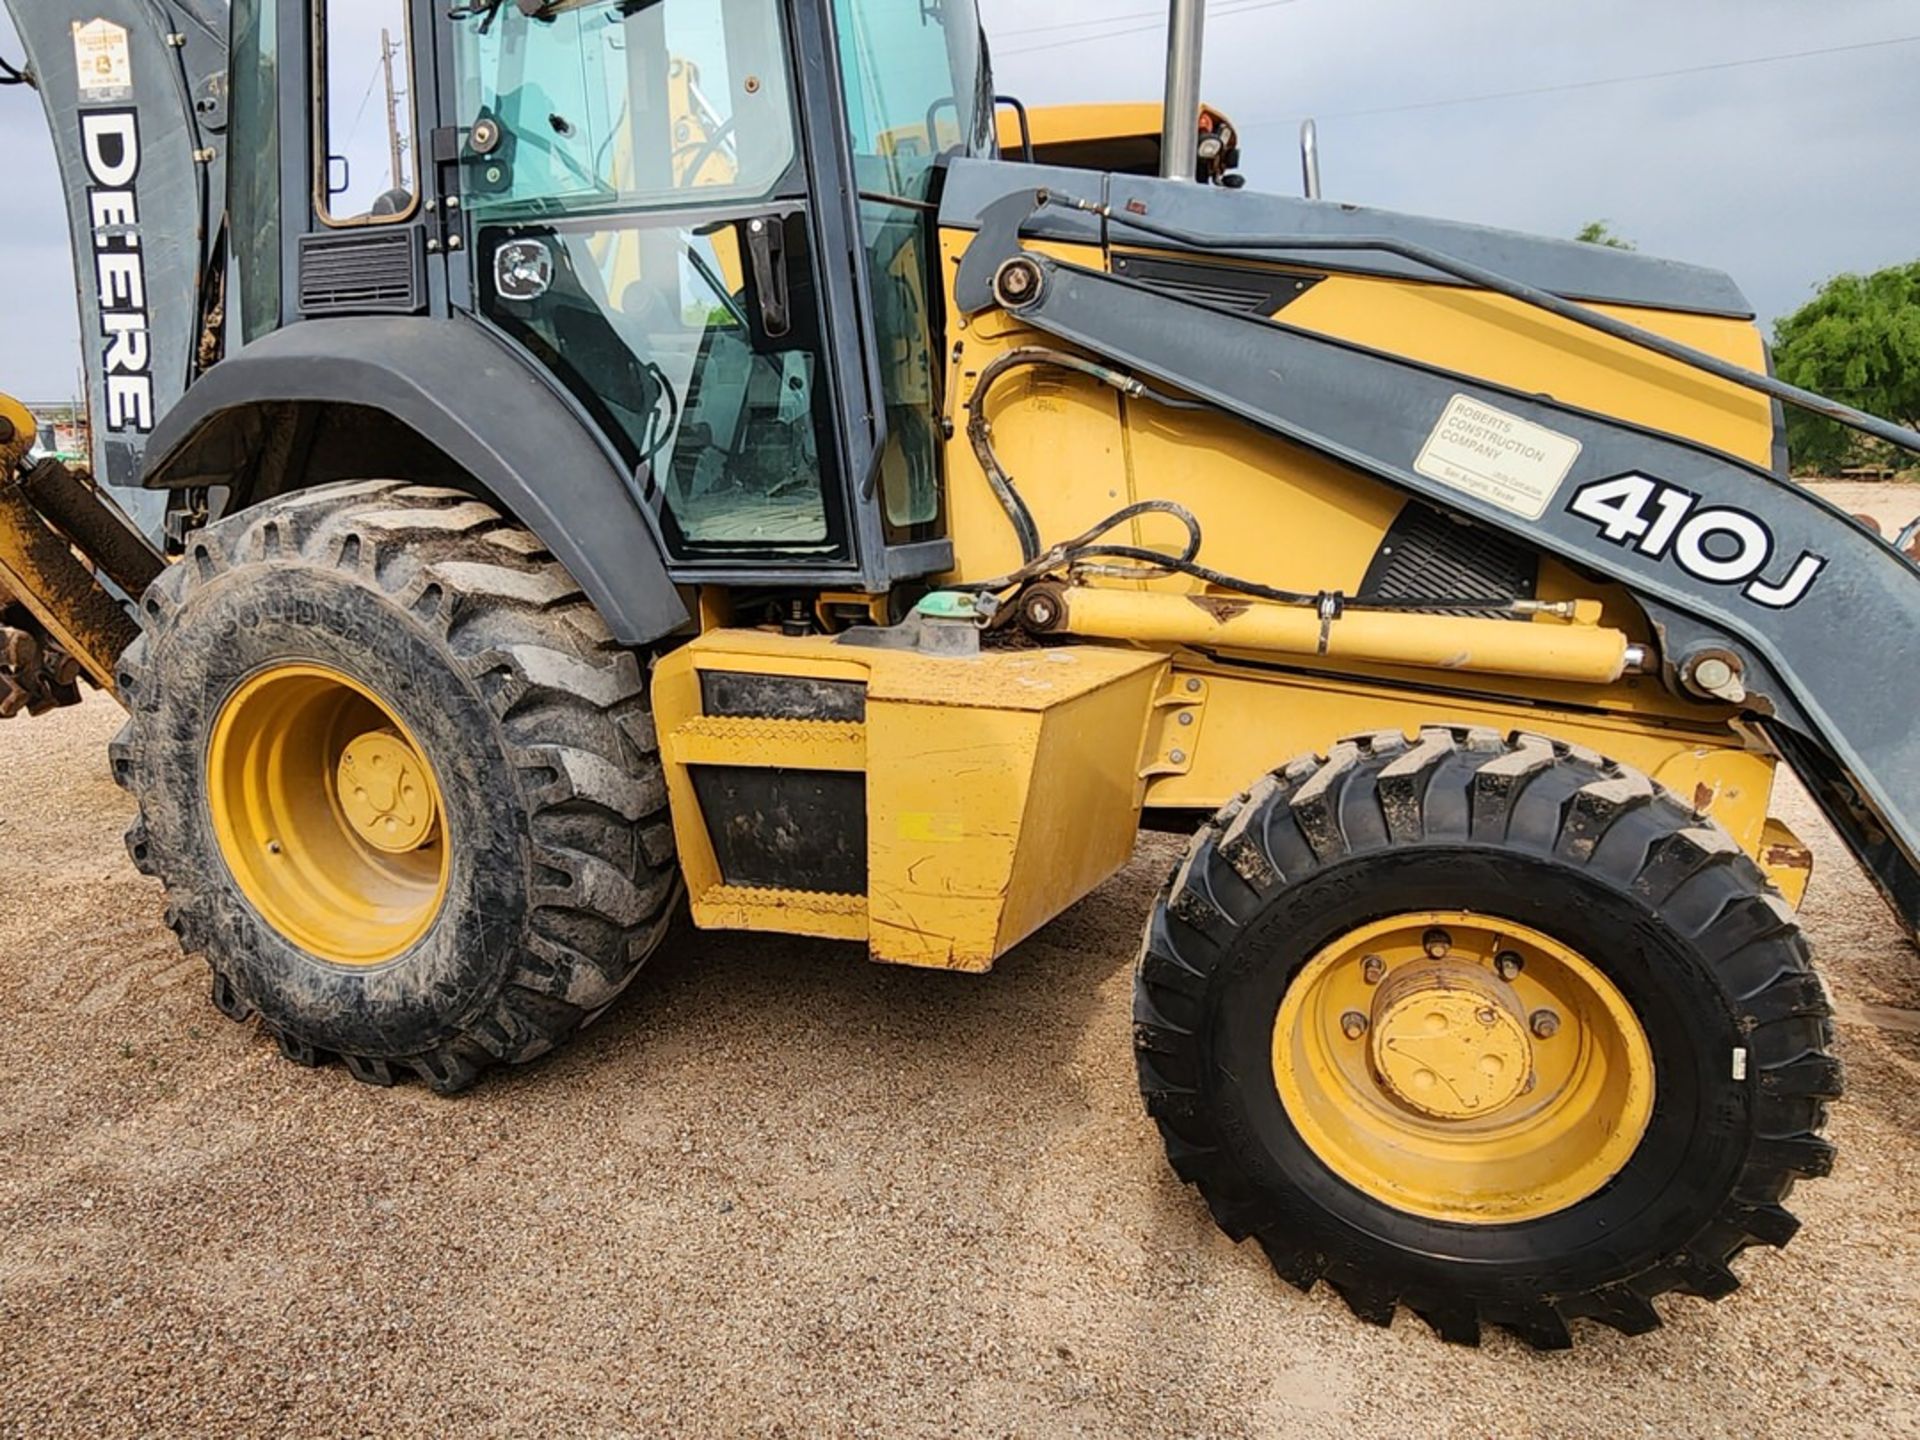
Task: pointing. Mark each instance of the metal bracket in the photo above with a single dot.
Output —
(1173, 728)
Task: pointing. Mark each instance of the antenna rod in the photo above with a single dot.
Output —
(1180, 128)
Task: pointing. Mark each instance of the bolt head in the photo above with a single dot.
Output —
(1178, 757)
(1436, 942)
(1508, 964)
(1353, 1025)
(1186, 717)
(1373, 968)
(1193, 687)
(1544, 1024)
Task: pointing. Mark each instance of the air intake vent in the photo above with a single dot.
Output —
(375, 271)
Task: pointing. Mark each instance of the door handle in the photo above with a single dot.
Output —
(767, 245)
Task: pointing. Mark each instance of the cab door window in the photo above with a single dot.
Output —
(366, 169)
(617, 105)
(642, 230)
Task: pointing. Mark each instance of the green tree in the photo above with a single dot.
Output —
(1858, 341)
(1600, 232)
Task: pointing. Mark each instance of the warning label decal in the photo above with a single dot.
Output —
(103, 62)
(1503, 459)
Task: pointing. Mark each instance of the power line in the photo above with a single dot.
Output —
(1159, 15)
(1616, 79)
(1136, 29)
(1160, 24)
(361, 113)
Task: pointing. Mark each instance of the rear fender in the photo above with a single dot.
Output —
(433, 400)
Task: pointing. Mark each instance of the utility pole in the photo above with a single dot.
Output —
(396, 180)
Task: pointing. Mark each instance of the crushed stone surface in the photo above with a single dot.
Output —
(781, 1192)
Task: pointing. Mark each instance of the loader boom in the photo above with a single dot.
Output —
(1746, 575)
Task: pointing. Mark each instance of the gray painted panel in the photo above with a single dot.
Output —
(178, 200)
(1565, 267)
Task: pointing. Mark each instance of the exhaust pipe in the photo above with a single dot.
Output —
(1180, 126)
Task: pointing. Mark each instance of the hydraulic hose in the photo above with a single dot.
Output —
(1085, 554)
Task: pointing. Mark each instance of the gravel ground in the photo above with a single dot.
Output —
(782, 1192)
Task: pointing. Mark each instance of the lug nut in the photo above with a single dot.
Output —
(1353, 1024)
(1436, 942)
(1508, 964)
(1544, 1024)
(1373, 969)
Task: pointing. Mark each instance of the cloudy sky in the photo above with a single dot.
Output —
(1782, 173)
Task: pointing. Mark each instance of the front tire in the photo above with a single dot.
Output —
(1491, 1028)
(400, 783)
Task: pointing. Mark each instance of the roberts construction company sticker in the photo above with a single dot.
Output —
(103, 62)
(1506, 461)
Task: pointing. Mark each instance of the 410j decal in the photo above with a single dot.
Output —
(1716, 543)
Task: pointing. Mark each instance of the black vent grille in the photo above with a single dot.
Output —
(1426, 555)
(1244, 289)
(376, 271)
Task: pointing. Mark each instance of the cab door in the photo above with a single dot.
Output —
(652, 192)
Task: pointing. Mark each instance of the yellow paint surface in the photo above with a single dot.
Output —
(999, 789)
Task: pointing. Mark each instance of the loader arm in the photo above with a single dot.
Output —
(1747, 578)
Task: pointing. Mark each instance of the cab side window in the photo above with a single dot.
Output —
(366, 169)
(912, 75)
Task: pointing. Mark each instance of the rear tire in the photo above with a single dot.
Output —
(1536, 834)
(558, 877)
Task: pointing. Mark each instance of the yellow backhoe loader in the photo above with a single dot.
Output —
(690, 456)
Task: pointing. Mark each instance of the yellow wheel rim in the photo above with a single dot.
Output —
(1463, 1068)
(328, 814)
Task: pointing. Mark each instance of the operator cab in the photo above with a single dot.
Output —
(644, 197)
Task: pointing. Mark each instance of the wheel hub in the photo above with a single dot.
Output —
(1450, 1041)
(385, 793)
(1462, 1067)
(327, 814)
